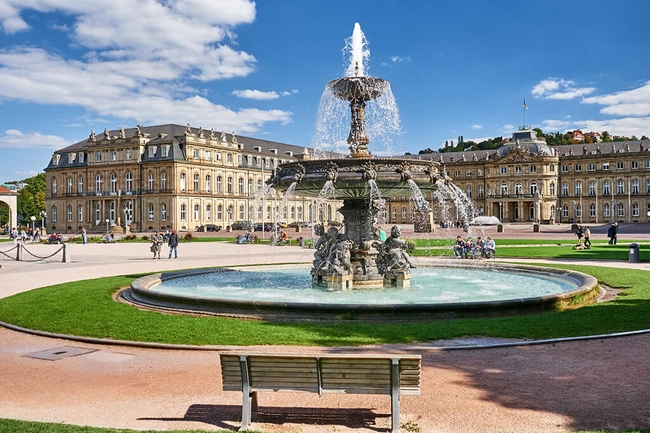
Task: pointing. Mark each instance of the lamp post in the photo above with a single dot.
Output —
(42, 214)
(107, 221)
(33, 218)
(575, 212)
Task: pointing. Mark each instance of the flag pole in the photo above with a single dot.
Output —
(525, 108)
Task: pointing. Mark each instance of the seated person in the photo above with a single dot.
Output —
(284, 238)
(459, 247)
(490, 248)
(52, 239)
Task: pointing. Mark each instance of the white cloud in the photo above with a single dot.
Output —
(256, 94)
(13, 138)
(140, 60)
(556, 125)
(399, 59)
(287, 93)
(632, 102)
(476, 126)
(562, 89)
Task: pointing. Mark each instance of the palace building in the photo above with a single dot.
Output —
(528, 181)
(168, 177)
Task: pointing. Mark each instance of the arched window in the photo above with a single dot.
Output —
(182, 182)
(111, 212)
(241, 211)
(80, 185)
(219, 212)
(219, 184)
(150, 211)
(578, 187)
(208, 182)
(69, 186)
(53, 185)
(128, 184)
(97, 213)
(551, 189)
(208, 212)
(519, 190)
(53, 214)
(163, 182)
(150, 182)
(163, 212)
(80, 213)
(113, 182)
(533, 188)
(183, 212)
(98, 183)
(229, 185)
(196, 182)
(504, 189)
(240, 186)
(230, 210)
(196, 212)
(69, 213)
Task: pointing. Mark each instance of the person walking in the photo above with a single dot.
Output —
(156, 245)
(84, 236)
(612, 233)
(173, 244)
(587, 242)
(381, 234)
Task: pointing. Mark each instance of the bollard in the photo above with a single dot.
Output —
(66, 255)
(19, 252)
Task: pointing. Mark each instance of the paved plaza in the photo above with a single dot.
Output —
(564, 386)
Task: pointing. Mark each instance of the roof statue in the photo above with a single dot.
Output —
(122, 133)
(641, 147)
(107, 134)
(627, 147)
(598, 151)
(234, 139)
(571, 151)
(584, 150)
(200, 135)
(138, 133)
(474, 157)
(188, 130)
(223, 136)
(462, 157)
(92, 136)
(613, 148)
(212, 137)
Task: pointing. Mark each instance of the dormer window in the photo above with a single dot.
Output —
(71, 158)
(152, 151)
(257, 148)
(81, 158)
(275, 151)
(127, 154)
(195, 153)
(288, 152)
(113, 155)
(164, 151)
(98, 157)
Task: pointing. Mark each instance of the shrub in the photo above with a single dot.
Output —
(145, 238)
(188, 236)
(410, 246)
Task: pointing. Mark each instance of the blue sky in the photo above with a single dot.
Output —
(259, 68)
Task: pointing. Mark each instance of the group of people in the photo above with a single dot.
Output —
(583, 232)
(157, 241)
(478, 248)
(24, 235)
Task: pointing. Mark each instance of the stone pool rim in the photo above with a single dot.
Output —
(140, 294)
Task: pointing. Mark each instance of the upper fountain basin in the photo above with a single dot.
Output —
(358, 88)
(350, 176)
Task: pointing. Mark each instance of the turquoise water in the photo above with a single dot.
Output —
(428, 286)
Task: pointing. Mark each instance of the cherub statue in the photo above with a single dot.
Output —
(234, 138)
(200, 135)
(122, 133)
(392, 253)
(107, 134)
(223, 136)
(340, 263)
(92, 136)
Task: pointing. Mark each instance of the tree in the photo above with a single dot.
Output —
(31, 198)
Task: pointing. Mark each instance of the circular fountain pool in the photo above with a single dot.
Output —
(435, 291)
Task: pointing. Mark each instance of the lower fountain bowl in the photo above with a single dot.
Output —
(277, 293)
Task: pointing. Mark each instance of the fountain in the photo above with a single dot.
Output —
(351, 258)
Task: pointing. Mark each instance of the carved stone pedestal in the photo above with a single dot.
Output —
(339, 282)
(398, 279)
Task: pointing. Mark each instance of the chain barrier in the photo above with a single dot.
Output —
(38, 258)
(4, 253)
(18, 256)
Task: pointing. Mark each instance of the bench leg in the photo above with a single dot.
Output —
(249, 399)
(394, 395)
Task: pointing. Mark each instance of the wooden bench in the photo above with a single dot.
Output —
(392, 375)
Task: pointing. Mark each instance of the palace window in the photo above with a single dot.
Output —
(229, 157)
(457, 173)
(606, 190)
(150, 182)
(127, 154)
(533, 169)
(182, 182)
(152, 151)
(565, 190)
(403, 213)
(80, 213)
(208, 183)
(620, 187)
(504, 170)
(241, 211)
(69, 186)
(53, 187)
(80, 185)
(468, 191)
(163, 212)
(163, 181)
(479, 172)
(605, 166)
(578, 187)
(53, 214)
(129, 182)
(592, 210)
(208, 155)
(606, 210)
(635, 187)
(551, 189)
(634, 165)
(196, 212)
(565, 211)
(196, 182)
(592, 188)
(208, 212)
(533, 188)
(620, 165)
(229, 185)
(578, 167)
(250, 185)
(468, 173)
(592, 166)
(519, 190)
(195, 153)
(219, 186)
(635, 209)
(240, 186)
(565, 168)
(69, 213)
(81, 157)
(621, 210)
(113, 183)
(517, 169)
(219, 212)
(150, 211)
(98, 183)
(479, 191)
(183, 212)
(551, 168)
(98, 157)
(113, 155)
(504, 189)
(164, 151)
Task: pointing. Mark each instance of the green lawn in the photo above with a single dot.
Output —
(13, 426)
(86, 308)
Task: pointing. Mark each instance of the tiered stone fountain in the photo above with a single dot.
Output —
(351, 258)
